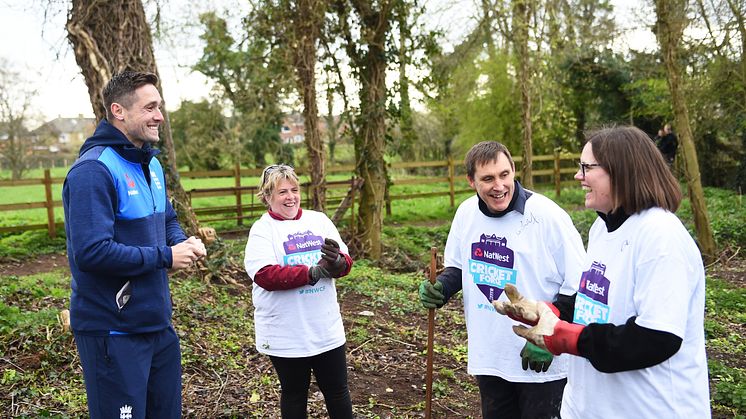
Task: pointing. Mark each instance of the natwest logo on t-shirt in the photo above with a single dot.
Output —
(594, 284)
(302, 242)
(491, 265)
(592, 301)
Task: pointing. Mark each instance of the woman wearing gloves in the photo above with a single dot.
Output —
(638, 327)
(293, 256)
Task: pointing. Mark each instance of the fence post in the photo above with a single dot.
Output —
(451, 175)
(387, 190)
(239, 207)
(251, 208)
(352, 206)
(49, 203)
(557, 179)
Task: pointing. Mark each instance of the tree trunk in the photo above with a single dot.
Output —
(669, 29)
(15, 101)
(408, 138)
(369, 58)
(332, 128)
(369, 150)
(307, 22)
(112, 36)
(521, 16)
(738, 14)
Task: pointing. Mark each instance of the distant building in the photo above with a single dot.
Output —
(293, 130)
(63, 135)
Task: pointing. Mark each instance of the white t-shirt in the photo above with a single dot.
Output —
(539, 251)
(650, 268)
(303, 321)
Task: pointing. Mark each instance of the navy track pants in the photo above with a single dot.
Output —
(132, 376)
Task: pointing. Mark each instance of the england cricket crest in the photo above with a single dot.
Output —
(125, 412)
(491, 265)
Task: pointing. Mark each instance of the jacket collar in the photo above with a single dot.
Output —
(517, 202)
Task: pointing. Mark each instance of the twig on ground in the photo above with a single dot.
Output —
(11, 363)
(220, 393)
(363, 344)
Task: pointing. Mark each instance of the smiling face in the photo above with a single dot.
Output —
(494, 183)
(596, 183)
(285, 199)
(141, 120)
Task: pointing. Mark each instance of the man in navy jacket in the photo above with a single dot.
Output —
(122, 237)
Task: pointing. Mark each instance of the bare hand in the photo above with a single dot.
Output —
(201, 250)
(187, 252)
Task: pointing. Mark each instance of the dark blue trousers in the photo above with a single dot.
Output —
(133, 376)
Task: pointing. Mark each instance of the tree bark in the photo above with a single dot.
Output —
(521, 17)
(306, 24)
(369, 150)
(670, 27)
(408, 137)
(112, 36)
(370, 62)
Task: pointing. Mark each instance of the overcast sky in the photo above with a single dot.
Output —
(35, 43)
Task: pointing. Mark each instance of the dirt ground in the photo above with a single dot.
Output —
(387, 370)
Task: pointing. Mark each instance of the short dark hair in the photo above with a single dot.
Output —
(483, 153)
(121, 88)
(640, 177)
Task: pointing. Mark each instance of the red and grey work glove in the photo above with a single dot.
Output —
(331, 259)
(548, 331)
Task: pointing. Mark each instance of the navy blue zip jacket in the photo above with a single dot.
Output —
(120, 226)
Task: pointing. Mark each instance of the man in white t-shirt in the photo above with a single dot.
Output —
(503, 235)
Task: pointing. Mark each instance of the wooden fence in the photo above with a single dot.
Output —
(245, 205)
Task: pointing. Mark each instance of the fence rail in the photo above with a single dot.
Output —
(240, 210)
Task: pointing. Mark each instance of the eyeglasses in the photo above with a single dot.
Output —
(273, 168)
(584, 167)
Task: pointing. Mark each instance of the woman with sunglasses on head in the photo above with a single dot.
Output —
(638, 324)
(292, 256)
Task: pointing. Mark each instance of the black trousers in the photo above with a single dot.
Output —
(330, 370)
(505, 399)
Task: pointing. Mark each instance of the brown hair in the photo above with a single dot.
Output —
(121, 89)
(271, 177)
(640, 177)
(483, 153)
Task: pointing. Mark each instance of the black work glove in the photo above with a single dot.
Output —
(535, 358)
(317, 272)
(431, 295)
(331, 259)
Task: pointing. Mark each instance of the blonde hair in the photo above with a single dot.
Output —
(271, 177)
